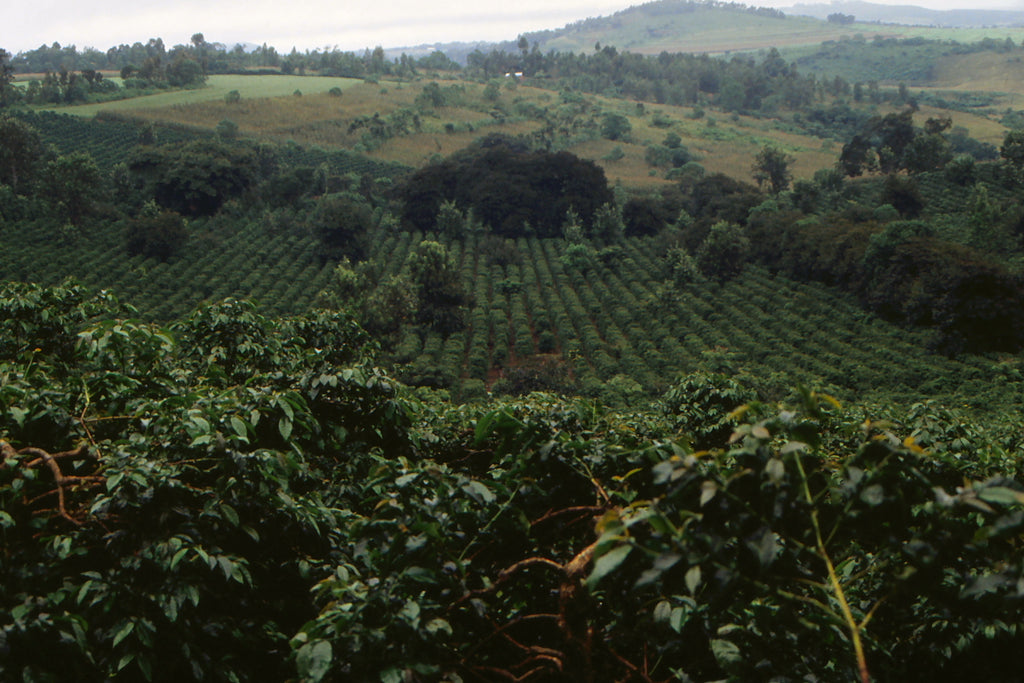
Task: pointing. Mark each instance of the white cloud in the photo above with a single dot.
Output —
(283, 23)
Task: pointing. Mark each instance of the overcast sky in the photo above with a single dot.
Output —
(308, 24)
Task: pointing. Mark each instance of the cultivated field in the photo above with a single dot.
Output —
(216, 88)
(270, 110)
(617, 320)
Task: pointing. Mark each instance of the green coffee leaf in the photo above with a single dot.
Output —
(607, 563)
(314, 660)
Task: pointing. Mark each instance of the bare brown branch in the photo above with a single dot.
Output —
(63, 483)
(583, 509)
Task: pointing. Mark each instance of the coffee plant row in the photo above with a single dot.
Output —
(615, 319)
(110, 138)
(620, 318)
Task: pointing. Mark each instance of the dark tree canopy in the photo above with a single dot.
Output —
(643, 216)
(719, 197)
(891, 143)
(341, 224)
(904, 194)
(21, 151)
(73, 184)
(974, 304)
(197, 178)
(157, 235)
(771, 169)
(508, 187)
(857, 156)
(7, 91)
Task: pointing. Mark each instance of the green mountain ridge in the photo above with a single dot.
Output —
(718, 27)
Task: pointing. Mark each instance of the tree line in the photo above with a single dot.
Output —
(217, 58)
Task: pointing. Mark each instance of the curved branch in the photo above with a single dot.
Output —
(42, 457)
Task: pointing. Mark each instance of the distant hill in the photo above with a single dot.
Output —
(709, 26)
(909, 14)
(671, 26)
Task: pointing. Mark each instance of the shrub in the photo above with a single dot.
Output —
(227, 129)
(158, 235)
(701, 406)
(724, 252)
(961, 169)
(615, 127)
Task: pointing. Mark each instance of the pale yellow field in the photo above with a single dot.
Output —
(323, 120)
(981, 127)
(724, 143)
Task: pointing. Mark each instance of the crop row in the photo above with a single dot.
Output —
(338, 162)
(108, 140)
(623, 318)
(278, 270)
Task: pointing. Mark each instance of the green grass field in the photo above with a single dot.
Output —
(216, 88)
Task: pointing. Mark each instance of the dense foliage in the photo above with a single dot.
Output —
(510, 189)
(153, 68)
(240, 498)
(950, 275)
(194, 179)
(610, 309)
(736, 84)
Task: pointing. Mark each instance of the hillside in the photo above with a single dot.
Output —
(328, 122)
(674, 26)
(557, 367)
(719, 28)
(909, 14)
(530, 301)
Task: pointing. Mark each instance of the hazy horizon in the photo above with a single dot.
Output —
(312, 24)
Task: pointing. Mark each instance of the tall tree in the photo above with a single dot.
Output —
(1012, 152)
(73, 183)
(199, 44)
(197, 178)
(857, 156)
(440, 296)
(724, 251)
(7, 92)
(21, 152)
(771, 168)
(342, 225)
